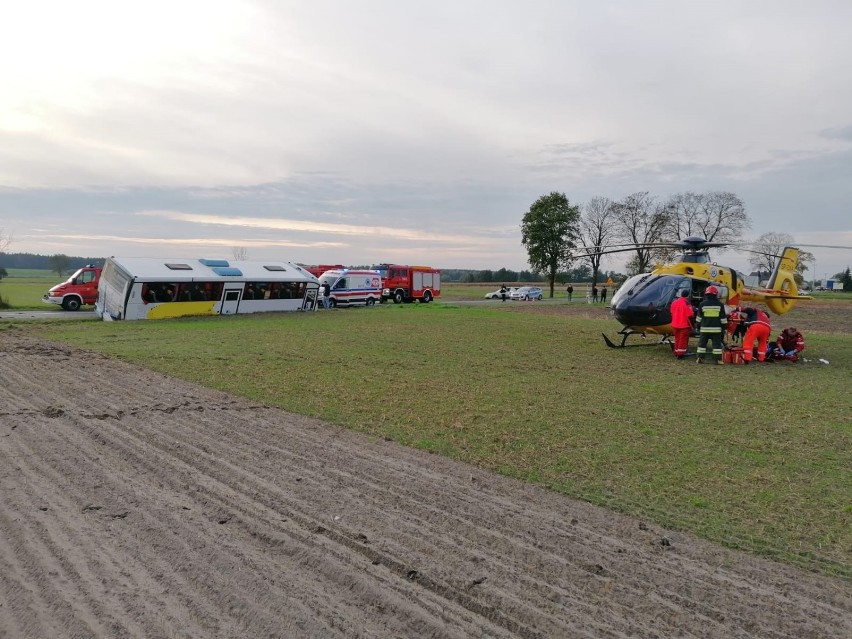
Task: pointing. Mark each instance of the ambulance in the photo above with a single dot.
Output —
(352, 287)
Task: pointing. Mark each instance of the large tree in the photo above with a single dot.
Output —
(549, 233)
(717, 216)
(846, 279)
(805, 258)
(597, 231)
(641, 221)
(766, 251)
(59, 263)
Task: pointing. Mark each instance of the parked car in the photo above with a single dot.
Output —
(495, 295)
(527, 293)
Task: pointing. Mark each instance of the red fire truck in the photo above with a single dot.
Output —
(81, 288)
(319, 269)
(409, 283)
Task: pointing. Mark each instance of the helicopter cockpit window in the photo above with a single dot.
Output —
(630, 287)
(658, 291)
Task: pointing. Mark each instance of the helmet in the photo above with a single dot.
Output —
(711, 290)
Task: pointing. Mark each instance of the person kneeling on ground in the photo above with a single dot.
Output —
(788, 345)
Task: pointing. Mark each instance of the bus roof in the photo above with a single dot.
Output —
(183, 270)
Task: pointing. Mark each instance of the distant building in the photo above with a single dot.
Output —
(757, 279)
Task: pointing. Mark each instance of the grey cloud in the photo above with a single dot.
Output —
(838, 133)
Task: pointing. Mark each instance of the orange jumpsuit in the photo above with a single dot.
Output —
(757, 329)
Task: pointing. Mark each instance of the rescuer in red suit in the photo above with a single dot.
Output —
(682, 315)
(757, 329)
(788, 345)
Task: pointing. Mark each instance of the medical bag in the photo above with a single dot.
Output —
(733, 355)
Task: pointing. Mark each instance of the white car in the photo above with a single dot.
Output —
(496, 295)
(527, 293)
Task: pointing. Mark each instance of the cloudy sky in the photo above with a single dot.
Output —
(411, 131)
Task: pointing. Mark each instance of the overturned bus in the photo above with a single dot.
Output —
(152, 288)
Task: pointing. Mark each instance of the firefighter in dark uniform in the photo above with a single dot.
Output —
(712, 322)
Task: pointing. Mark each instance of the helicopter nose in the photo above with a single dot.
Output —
(635, 315)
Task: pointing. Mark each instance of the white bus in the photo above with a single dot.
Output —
(151, 288)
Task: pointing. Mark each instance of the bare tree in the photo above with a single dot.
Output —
(641, 221)
(684, 209)
(597, 231)
(5, 239)
(767, 250)
(239, 253)
(717, 216)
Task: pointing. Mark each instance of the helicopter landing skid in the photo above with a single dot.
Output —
(627, 333)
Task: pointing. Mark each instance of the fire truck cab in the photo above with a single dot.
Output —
(81, 288)
(409, 283)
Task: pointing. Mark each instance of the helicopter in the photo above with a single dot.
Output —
(641, 304)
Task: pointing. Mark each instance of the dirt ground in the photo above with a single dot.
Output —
(135, 505)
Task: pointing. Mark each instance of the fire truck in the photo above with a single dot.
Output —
(319, 269)
(409, 283)
(81, 288)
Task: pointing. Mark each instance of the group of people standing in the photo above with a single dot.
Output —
(711, 320)
(592, 295)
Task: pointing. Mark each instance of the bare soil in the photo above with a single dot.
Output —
(135, 505)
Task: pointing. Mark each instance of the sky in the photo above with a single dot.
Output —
(414, 132)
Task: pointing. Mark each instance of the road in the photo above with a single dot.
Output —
(27, 315)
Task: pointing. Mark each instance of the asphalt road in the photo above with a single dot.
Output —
(29, 315)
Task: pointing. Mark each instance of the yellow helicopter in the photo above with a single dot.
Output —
(641, 305)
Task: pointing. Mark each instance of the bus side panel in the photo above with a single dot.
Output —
(137, 308)
(134, 308)
(264, 306)
(168, 310)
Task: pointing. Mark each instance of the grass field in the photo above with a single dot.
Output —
(752, 457)
(23, 288)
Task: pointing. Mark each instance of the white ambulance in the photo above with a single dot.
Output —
(350, 287)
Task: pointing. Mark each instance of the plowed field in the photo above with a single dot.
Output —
(135, 505)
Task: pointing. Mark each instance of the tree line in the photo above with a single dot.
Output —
(59, 263)
(558, 234)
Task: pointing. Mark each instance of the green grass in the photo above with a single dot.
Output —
(751, 457)
(24, 288)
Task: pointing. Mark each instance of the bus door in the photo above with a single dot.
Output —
(231, 298)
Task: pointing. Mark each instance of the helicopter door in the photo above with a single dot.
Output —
(698, 287)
